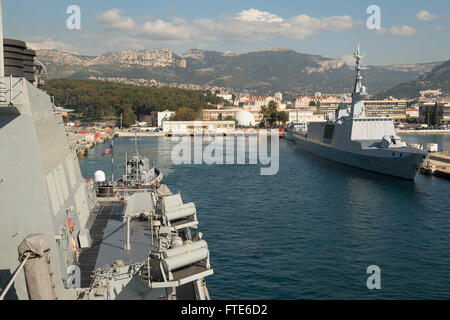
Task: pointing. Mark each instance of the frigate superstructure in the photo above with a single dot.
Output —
(360, 141)
(58, 240)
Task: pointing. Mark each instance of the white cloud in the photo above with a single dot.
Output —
(380, 31)
(250, 25)
(404, 30)
(425, 15)
(256, 15)
(37, 43)
(113, 19)
(440, 28)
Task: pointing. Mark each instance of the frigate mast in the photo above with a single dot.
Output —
(358, 82)
(359, 91)
(136, 153)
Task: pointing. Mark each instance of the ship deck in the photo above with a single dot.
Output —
(108, 234)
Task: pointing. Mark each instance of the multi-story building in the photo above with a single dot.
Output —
(427, 112)
(303, 115)
(395, 109)
(392, 108)
(412, 114)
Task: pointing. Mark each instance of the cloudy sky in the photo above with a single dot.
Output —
(411, 31)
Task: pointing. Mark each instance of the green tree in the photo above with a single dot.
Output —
(128, 117)
(283, 117)
(183, 114)
(270, 114)
(231, 118)
(220, 116)
(435, 119)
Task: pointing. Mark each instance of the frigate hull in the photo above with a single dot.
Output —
(403, 163)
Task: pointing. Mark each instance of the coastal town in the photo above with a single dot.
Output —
(426, 113)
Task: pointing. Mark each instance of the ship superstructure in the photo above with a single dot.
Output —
(293, 127)
(356, 140)
(138, 173)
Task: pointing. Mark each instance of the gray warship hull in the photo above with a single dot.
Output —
(356, 140)
(403, 163)
(59, 241)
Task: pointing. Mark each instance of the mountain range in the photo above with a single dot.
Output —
(261, 72)
(437, 78)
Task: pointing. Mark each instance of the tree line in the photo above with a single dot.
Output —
(96, 100)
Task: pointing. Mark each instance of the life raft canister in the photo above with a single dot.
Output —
(69, 222)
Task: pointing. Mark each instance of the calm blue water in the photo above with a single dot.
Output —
(311, 231)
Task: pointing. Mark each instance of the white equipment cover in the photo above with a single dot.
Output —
(38, 273)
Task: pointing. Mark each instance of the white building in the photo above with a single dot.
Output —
(302, 115)
(188, 127)
(226, 96)
(164, 116)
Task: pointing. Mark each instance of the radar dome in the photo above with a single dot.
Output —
(99, 176)
(245, 118)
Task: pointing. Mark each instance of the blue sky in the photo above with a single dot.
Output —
(411, 31)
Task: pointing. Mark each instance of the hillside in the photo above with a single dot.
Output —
(437, 78)
(261, 72)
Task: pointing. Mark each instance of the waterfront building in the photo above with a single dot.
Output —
(427, 110)
(303, 115)
(198, 126)
(392, 108)
(412, 113)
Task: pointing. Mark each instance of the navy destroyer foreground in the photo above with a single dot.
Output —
(364, 142)
(58, 240)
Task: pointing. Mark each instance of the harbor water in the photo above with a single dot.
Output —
(311, 230)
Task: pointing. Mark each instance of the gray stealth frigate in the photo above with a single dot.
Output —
(356, 140)
(57, 239)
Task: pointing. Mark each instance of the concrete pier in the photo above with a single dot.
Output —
(438, 165)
